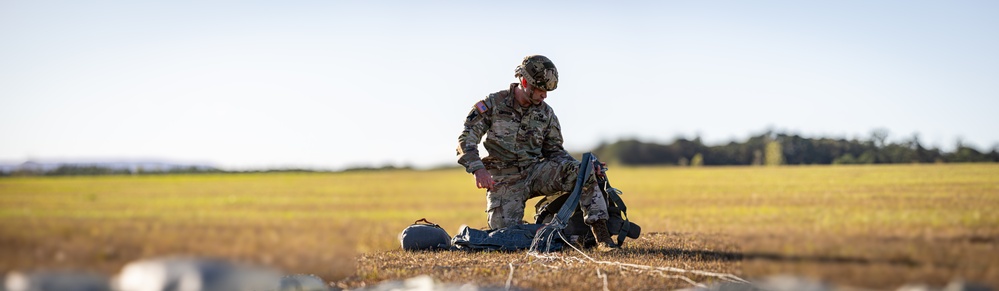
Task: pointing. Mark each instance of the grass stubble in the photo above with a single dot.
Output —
(863, 226)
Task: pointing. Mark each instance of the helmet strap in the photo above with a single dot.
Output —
(525, 94)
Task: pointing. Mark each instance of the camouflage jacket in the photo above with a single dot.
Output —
(517, 137)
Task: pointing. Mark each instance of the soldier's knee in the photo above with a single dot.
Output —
(494, 218)
(511, 221)
(504, 216)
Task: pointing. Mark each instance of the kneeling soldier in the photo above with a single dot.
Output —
(526, 158)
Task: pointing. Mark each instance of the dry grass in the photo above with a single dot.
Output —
(867, 226)
(494, 268)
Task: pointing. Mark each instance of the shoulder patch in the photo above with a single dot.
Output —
(481, 107)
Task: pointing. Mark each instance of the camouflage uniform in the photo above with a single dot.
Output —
(526, 158)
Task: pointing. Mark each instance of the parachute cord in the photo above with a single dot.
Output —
(604, 277)
(509, 280)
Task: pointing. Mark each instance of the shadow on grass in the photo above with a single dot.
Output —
(724, 256)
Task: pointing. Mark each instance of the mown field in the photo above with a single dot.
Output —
(863, 226)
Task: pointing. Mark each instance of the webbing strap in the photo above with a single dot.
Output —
(626, 226)
(562, 218)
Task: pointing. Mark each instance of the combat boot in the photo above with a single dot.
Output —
(604, 241)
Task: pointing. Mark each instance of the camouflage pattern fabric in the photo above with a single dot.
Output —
(539, 71)
(505, 203)
(528, 141)
(518, 136)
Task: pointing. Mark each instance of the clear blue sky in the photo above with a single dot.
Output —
(333, 84)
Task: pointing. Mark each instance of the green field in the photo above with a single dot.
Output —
(846, 224)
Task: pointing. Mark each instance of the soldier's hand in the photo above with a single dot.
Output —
(483, 179)
(599, 169)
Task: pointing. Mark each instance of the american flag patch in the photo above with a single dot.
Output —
(481, 107)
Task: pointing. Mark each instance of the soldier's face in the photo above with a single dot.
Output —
(537, 95)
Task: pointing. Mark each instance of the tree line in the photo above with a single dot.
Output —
(774, 148)
(100, 170)
(768, 148)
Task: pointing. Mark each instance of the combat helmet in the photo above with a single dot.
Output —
(539, 71)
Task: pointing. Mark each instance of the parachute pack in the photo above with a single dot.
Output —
(558, 221)
(424, 235)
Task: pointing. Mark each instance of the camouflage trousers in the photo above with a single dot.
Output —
(505, 203)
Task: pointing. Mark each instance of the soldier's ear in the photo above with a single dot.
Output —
(523, 82)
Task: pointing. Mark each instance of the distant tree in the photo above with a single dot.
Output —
(868, 157)
(964, 154)
(697, 161)
(880, 137)
(774, 155)
(922, 154)
(845, 159)
(897, 153)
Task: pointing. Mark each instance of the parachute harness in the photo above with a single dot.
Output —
(541, 246)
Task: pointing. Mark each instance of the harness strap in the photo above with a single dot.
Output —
(562, 218)
(626, 226)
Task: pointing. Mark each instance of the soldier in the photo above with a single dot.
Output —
(526, 158)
